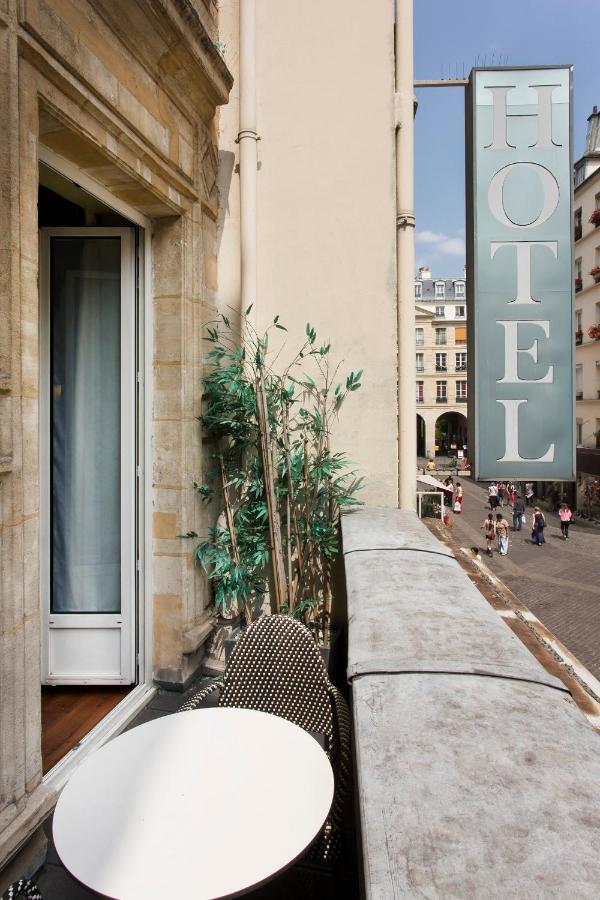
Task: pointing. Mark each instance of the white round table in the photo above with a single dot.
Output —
(199, 804)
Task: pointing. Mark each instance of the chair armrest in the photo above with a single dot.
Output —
(196, 700)
(22, 888)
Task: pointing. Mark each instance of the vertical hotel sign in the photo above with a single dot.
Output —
(519, 267)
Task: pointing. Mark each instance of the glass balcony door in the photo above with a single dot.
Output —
(88, 422)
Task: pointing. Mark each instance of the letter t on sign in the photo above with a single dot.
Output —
(523, 249)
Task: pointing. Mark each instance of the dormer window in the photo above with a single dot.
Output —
(459, 290)
(418, 289)
(440, 290)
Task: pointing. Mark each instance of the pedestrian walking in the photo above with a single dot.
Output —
(565, 515)
(539, 523)
(512, 492)
(489, 527)
(528, 493)
(502, 494)
(502, 534)
(493, 495)
(459, 495)
(518, 512)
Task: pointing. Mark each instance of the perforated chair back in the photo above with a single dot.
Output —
(276, 668)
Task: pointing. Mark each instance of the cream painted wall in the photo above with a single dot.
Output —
(326, 208)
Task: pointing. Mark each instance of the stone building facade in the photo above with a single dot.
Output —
(112, 137)
(108, 127)
(586, 207)
(441, 364)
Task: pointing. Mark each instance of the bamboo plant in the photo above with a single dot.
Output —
(273, 469)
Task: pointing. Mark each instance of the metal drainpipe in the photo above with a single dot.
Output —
(405, 255)
(247, 139)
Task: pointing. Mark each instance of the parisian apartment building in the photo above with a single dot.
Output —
(441, 364)
(587, 318)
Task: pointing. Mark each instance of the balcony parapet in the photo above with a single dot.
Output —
(455, 727)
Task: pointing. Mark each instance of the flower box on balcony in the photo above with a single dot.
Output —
(595, 218)
(578, 284)
(594, 332)
(578, 337)
(595, 273)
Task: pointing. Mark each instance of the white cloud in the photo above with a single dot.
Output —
(443, 243)
(429, 237)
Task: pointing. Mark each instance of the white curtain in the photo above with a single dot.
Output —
(86, 426)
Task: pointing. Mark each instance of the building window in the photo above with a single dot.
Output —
(459, 290)
(578, 225)
(459, 312)
(440, 336)
(461, 391)
(420, 391)
(441, 362)
(578, 276)
(578, 327)
(420, 362)
(419, 337)
(579, 382)
(461, 362)
(440, 312)
(440, 290)
(579, 434)
(460, 335)
(418, 289)
(441, 391)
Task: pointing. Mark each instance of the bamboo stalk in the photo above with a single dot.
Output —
(270, 480)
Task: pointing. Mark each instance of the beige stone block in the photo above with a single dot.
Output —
(168, 397)
(167, 574)
(167, 257)
(168, 631)
(167, 453)
(168, 330)
(186, 155)
(164, 525)
(136, 113)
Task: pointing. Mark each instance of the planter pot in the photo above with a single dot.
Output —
(230, 642)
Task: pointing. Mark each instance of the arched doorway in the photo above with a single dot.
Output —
(450, 434)
(420, 435)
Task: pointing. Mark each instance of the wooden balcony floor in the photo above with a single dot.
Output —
(69, 713)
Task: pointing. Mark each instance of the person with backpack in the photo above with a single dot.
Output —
(493, 495)
(502, 527)
(539, 523)
(502, 493)
(489, 527)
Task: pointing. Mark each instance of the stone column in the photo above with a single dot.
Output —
(24, 801)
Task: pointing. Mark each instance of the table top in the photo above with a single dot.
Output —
(205, 804)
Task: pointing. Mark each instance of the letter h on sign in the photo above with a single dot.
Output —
(521, 414)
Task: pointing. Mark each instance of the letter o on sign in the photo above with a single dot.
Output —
(549, 186)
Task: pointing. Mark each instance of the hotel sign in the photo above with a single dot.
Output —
(519, 267)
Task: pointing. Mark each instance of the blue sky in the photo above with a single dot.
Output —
(453, 33)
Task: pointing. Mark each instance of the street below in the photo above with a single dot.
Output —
(559, 581)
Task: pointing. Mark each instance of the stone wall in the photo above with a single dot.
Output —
(128, 94)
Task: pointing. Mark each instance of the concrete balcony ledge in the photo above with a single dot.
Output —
(477, 775)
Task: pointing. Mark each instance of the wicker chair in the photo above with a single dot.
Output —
(276, 667)
(22, 888)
